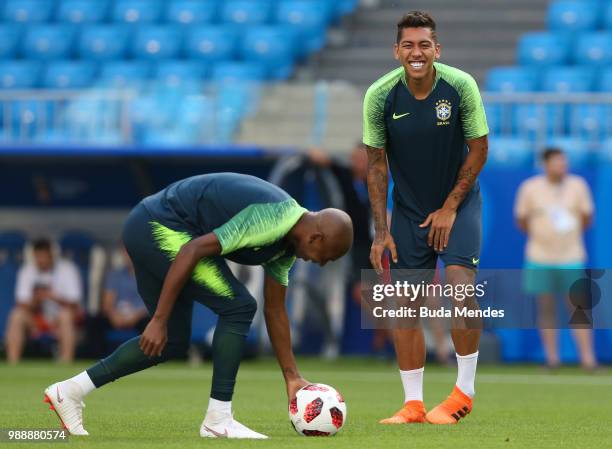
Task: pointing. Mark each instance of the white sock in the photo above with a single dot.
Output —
(466, 373)
(413, 384)
(215, 405)
(84, 381)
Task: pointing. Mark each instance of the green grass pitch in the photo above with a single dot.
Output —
(515, 407)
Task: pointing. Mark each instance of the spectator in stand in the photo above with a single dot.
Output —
(122, 308)
(48, 300)
(554, 209)
(121, 303)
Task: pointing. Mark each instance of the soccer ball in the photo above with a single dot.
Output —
(317, 410)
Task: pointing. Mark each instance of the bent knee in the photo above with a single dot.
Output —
(242, 308)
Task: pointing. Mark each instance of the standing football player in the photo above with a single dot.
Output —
(178, 240)
(423, 118)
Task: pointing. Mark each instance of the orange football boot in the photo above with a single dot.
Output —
(412, 412)
(454, 407)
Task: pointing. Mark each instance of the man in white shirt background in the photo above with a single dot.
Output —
(48, 299)
(554, 209)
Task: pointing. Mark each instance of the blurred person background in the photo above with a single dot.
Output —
(554, 209)
(47, 303)
(105, 102)
(123, 314)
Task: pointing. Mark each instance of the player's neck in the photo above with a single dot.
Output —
(300, 228)
(421, 88)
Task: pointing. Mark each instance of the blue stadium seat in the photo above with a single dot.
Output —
(28, 11)
(309, 18)
(47, 42)
(607, 19)
(69, 74)
(176, 73)
(82, 11)
(530, 120)
(589, 121)
(137, 11)
(193, 124)
(593, 49)
(605, 153)
(543, 49)
(567, 79)
(494, 117)
(11, 246)
(245, 12)
(11, 257)
(157, 42)
(19, 74)
(573, 15)
(9, 40)
(211, 43)
(343, 7)
(510, 152)
(77, 246)
(577, 151)
(103, 42)
(272, 46)
(511, 79)
(234, 71)
(124, 73)
(604, 83)
(191, 12)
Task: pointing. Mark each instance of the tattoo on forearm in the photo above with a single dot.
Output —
(377, 188)
(468, 174)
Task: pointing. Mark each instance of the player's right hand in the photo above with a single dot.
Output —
(153, 339)
(378, 248)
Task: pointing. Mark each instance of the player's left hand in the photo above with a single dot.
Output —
(154, 338)
(294, 385)
(441, 222)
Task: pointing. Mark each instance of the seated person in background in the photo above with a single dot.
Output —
(48, 297)
(122, 308)
(121, 303)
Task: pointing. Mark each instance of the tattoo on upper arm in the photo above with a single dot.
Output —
(377, 187)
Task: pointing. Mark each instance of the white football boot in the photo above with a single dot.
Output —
(66, 399)
(223, 425)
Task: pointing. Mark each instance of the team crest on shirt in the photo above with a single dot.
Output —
(443, 111)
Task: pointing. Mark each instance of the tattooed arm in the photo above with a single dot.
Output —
(378, 183)
(442, 220)
(469, 171)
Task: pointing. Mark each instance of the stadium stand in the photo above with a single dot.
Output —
(78, 44)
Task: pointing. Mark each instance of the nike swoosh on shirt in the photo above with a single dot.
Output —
(217, 434)
(396, 116)
(59, 398)
(475, 261)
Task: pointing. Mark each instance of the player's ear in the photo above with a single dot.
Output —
(396, 51)
(437, 53)
(315, 237)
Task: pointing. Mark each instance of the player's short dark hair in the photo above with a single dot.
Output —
(416, 19)
(41, 244)
(551, 152)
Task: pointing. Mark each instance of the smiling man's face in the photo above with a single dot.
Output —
(417, 50)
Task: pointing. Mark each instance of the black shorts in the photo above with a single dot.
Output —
(463, 244)
(151, 263)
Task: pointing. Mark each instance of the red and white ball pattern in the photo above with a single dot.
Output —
(317, 410)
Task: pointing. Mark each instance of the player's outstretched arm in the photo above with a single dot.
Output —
(378, 183)
(442, 220)
(277, 323)
(154, 337)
